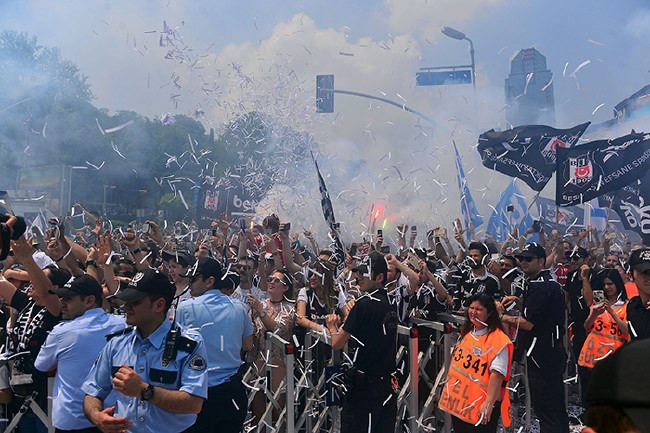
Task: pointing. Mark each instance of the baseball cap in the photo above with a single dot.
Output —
(183, 258)
(374, 261)
(532, 250)
(83, 285)
(618, 381)
(147, 282)
(206, 267)
(640, 259)
(579, 252)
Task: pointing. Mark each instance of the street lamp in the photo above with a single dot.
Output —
(458, 35)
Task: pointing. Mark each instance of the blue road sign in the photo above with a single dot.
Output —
(443, 78)
(324, 98)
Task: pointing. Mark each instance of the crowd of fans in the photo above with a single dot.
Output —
(212, 295)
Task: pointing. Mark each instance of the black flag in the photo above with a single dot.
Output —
(328, 213)
(632, 204)
(593, 169)
(527, 152)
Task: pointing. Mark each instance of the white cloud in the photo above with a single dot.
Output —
(638, 25)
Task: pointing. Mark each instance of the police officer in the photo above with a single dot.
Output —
(370, 404)
(226, 329)
(158, 371)
(72, 347)
(541, 328)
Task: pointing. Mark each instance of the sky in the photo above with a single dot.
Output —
(265, 55)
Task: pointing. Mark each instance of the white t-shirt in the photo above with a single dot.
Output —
(500, 362)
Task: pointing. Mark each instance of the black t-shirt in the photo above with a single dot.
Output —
(639, 318)
(427, 303)
(543, 306)
(373, 322)
(467, 284)
(578, 309)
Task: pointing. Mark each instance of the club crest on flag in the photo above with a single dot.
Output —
(549, 150)
(581, 170)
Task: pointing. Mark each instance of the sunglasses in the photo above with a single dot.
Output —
(275, 280)
(526, 259)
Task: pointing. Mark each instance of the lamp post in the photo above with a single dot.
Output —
(458, 35)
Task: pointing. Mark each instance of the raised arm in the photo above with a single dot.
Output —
(40, 282)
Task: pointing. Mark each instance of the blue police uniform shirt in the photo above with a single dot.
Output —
(187, 373)
(71, 348)
(223, 323)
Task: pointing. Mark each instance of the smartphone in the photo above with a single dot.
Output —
(242, 225)
(385, 249)
(510, 208)
(353, 250)
(380, 233)
(286, 227)
(414, 229)
(599, 297)
(146, 228)
(414, 262)
(537, 226)
(214, 232)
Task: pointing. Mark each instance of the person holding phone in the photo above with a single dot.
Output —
(607, 321)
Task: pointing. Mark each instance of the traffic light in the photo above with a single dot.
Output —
(324, 93)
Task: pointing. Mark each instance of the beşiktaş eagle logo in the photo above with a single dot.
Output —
(549, 149)
(137, 277)
(581, 170)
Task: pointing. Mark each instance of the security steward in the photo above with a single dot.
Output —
(370, 404)
(475, 390)
(227, 330)
(638, 308)
(158, 370)
(541, 329)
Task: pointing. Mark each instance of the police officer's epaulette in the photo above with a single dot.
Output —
(186, 344)
(118, 333)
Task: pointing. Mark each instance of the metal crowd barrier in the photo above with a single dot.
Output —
(317, 416)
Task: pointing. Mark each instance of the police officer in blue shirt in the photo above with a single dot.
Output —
(72, 347)
(158, 369)
(227, 330)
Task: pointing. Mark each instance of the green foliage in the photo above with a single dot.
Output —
(47, 117)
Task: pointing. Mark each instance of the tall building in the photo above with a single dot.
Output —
(529, 90)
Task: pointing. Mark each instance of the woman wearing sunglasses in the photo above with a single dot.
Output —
(277, 314)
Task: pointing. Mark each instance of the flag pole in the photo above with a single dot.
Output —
(528, 210)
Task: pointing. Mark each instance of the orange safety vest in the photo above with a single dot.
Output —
(604, 338)
(631, 289)
(466, 385)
